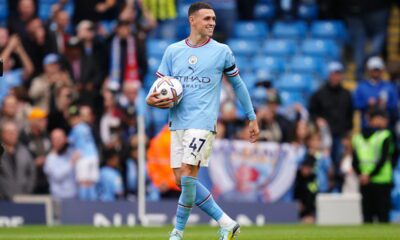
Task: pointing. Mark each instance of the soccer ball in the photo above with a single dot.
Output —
(169, 88)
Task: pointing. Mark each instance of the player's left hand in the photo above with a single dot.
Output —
(254, 131)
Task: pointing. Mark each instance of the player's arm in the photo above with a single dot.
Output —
(238, 85)
(243, 95)
(163, 70)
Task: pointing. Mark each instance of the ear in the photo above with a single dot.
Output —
(191, 19)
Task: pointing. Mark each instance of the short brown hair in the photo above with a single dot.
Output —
(197, 6)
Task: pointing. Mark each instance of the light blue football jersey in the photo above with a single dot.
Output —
(199, 69)
(81, 139)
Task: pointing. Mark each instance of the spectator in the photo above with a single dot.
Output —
(47, 83)
(128, 103)
(142, 19)
(58, 31)
(90, 69)
(12, 52)
(34, 137)
(110, 123)
(269, 128)
(60, 167)
(230, 119)
(367, 21)
(350, 181)
(127, 56)
(375, 92)
(332, 104)
(17, 22)
(87, 167)
(158, 165)
(94, 10)
(9, 111)
(286, 126)
(17, 175)
(60, 101)
(130, 169)
(88, 117)
(306, 189)
(373, 150)
(37, 44)
(110, 182)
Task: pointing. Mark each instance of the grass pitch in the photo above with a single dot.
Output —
(269, 232)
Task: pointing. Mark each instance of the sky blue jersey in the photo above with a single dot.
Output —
(81, 139)
(199, 68)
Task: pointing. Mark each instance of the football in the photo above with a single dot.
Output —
(169, 88)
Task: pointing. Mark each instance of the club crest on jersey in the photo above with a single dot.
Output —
(192, 60)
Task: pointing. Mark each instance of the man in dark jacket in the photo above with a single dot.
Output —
(333, 104)
(17, 171)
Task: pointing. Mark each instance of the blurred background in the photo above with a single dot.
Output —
(77, 132)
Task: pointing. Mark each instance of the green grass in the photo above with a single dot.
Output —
(269, 232)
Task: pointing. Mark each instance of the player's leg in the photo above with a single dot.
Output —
(186, 177)
(186, 200)
(201, 144)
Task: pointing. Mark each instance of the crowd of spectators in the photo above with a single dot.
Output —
(73, 87)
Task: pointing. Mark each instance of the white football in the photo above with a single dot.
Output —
(169, 88)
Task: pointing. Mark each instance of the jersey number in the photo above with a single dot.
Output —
(193, 145)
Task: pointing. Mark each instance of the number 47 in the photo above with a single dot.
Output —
(193, 145)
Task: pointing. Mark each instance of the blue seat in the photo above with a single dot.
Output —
(306, 64)
(153, 63)
(280, 47)
(3, 11)
(244, 64)
(244, 47)
(156, 47)
(250, 30)
(183, 10)
(328, 29)
(328, 49)
(294, 82)
(292, 97)
(294, 30)
(44, 11)
(275, 65)
(264, 11)
(250, 80)
(108, 26)
(308, 11)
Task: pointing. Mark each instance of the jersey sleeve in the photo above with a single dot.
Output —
(165, 68)
(230, 68)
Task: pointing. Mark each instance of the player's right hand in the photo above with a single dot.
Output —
(152, 100)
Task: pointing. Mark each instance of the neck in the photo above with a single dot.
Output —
(197, 39)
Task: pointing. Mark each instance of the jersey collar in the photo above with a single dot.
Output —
(196, 46)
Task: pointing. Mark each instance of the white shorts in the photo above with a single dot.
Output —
(87, 169)
(191, 146)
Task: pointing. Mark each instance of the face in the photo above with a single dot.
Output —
(378, 122)
(58, 139)
(51, 68)
(39, 125)
(26, 8)
(10, 106)
(336, 78)
(130, 91)
(203, 22)
(86, 114)
(302, 130)
(10, 134)
(375, 73)
(62, 20)
(64, 98)
(86, 33)
(123, 31)
(3, 37)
